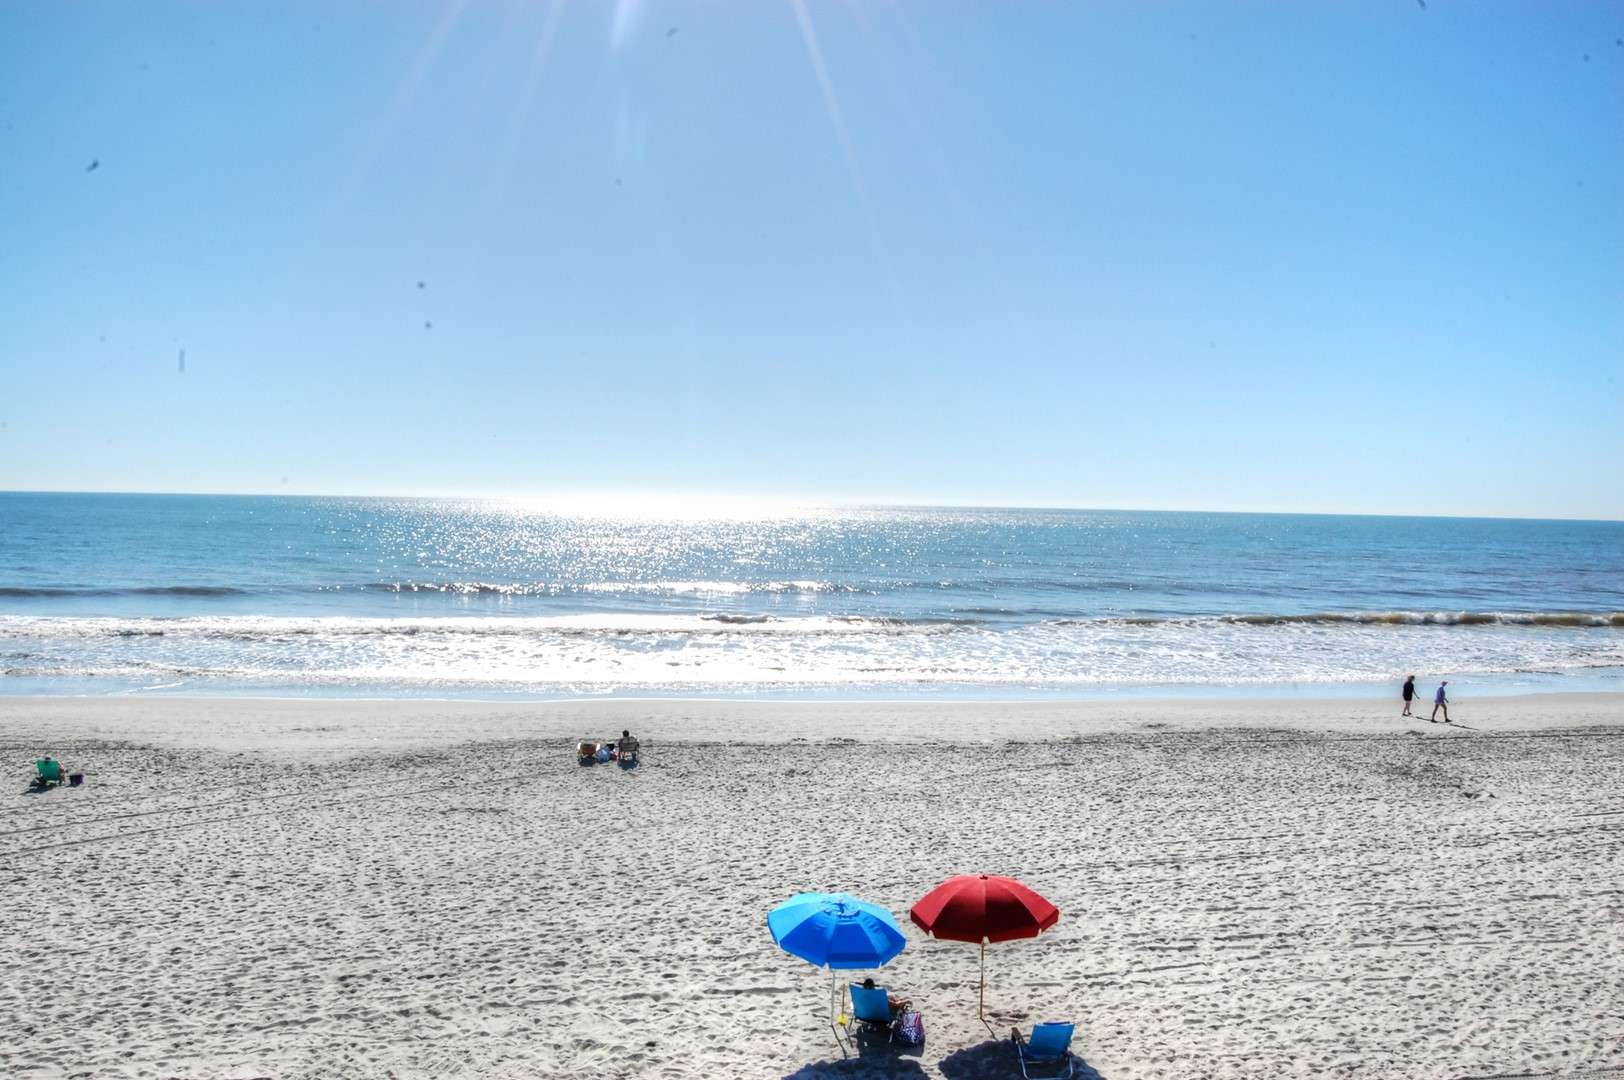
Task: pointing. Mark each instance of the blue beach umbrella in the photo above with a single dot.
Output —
(838, 932)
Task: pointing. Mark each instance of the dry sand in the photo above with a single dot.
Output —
(1249, 889)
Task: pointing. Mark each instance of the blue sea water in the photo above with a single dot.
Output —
(228, 594)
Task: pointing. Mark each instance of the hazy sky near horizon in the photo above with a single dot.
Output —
(1361, 257)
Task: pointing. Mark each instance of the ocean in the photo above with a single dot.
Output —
(492, 598)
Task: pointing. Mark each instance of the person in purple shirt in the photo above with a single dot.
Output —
(1440, 701)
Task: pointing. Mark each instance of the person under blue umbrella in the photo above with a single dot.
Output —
(835, 931)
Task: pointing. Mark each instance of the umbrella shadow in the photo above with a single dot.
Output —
(865, 1067)
(997, 1058)
(875, 1057)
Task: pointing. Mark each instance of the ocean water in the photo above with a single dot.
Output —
(380, 597)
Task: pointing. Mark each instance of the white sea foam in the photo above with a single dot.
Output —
(619, 650)
(712, 588)
(1443, 618)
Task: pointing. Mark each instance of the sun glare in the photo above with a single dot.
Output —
(663, 506)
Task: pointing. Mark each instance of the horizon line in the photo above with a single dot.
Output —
(808, 502)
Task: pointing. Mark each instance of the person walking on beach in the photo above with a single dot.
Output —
(1409, 695)
(1440, 701)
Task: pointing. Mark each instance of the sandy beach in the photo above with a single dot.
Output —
(259, 888)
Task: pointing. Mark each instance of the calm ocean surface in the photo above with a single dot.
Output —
(225, 594)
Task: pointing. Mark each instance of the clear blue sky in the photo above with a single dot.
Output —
(1360, 256)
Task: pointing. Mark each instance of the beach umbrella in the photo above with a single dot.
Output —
(838, 932)
(980, 908)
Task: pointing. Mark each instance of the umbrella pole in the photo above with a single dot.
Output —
(834, 1025)
(981, 1005)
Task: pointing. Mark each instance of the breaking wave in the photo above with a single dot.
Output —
(609, 588)
(244, 627)
(68, 591)
(620, 624)
(735, 651)
(455, 588)
(1443, 618)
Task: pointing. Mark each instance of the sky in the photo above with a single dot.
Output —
(1362, 257)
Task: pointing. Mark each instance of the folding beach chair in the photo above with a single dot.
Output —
(49, 771)
(1049, 1046)
(871, 1007)
(628, 749)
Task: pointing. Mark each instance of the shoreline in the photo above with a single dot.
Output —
(369, 724)
(1522, 682)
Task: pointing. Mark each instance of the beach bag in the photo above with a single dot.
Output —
(911, 1027)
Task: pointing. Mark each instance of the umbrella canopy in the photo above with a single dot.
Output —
(983, 907)
(834, 930)
(980, 908)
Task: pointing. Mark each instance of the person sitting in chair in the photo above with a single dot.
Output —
(897, 1004)
(628, 746)
(48, 773)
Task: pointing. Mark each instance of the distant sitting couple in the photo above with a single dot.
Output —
(1440, 700)
(625, 750)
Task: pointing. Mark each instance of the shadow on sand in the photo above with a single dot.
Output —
(864, 1068)
(996, 1058)
(875, 1058)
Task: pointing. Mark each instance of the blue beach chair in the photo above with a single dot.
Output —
(1049, 1046)
(871, 1007)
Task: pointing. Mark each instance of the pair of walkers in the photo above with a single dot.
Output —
(1440, 700)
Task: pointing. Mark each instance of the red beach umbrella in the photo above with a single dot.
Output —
(983, 908)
